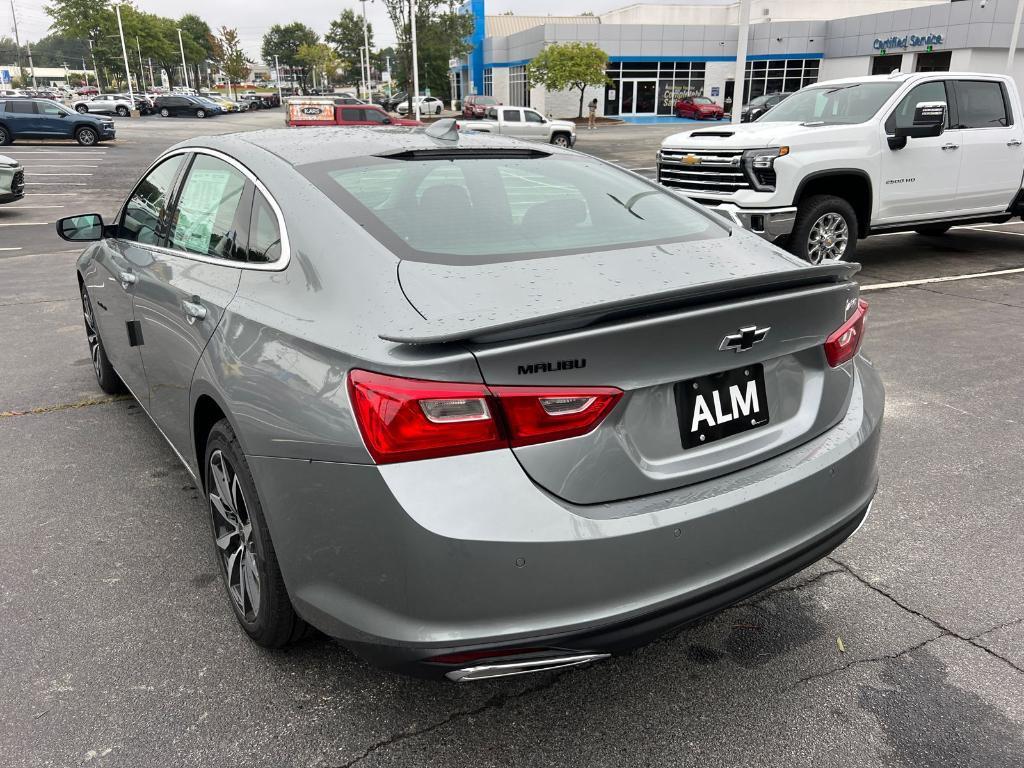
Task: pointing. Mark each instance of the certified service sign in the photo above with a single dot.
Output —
(909, 41)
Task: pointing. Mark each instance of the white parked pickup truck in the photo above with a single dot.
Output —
(845, 159)
(523, 123)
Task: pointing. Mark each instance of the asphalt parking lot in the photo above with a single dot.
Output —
(904, 648)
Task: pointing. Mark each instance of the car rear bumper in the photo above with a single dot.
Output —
(409, 561)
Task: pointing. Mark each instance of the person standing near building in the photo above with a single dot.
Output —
(592, 119)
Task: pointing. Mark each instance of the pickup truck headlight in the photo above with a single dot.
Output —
(760, 166)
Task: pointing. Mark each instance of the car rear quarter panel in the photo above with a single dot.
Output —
(280, 358)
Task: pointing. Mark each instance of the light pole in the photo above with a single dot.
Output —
(413, 100)
(184, 71)
(741, 61)
(1014, 37)
(277, 73)
(17, 44)
(124, 53)
(366, 44)
(85, 73)
(142, 68)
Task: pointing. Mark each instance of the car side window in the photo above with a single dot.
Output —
(512, 116)
(50, 109)
(374, 116)
(22, 107)
(532, 117)
(903, 115)
(352, 115)
(264, 233)
(206, 214)
(145, 211)
(982, 104)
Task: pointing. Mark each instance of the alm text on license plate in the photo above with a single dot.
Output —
(721, 405)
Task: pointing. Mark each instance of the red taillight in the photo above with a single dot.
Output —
(844, 343)
(538, 414)
(409, 419)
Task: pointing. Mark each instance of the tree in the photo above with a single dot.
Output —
(321, 56)
(233, 61)
(346, 36)
(441, 32)
(284, 41)
(567, 66)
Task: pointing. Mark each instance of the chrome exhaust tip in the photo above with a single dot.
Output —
(525, 667)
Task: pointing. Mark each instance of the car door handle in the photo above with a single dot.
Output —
(194, 310)
(950, 146)
(127, 278)
(1014, 143)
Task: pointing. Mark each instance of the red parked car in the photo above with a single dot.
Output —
(325, 111)
(699, 108)
(475, 107)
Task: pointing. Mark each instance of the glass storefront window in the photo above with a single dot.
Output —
(779, 76)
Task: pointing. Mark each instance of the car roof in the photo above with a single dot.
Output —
(321, 144)
(903, 77)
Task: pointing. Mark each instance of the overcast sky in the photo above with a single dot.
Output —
(252, 17)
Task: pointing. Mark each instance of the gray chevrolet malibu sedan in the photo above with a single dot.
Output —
(478, 407)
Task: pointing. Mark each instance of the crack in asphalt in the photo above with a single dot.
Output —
(970, 298)
(86, 403)
(37, 301)
(996, 628)
(495, 702)
(935, 623)
(858, 662)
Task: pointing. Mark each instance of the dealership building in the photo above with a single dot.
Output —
(659, 53)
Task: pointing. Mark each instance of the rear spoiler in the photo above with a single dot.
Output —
(503, 326)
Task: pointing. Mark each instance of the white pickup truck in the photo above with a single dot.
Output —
(845, 159)
(523, 123)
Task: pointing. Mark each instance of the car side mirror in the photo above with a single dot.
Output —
(79, 229)
(929, 122)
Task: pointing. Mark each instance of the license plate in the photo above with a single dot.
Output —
(721, 405)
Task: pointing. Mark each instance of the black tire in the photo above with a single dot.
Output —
(123, 111)
(5, 136)
(86, 136)
(812, 210)
(81, 109)
(933, 230)
(437, 111)
(106, 376)
(560, 140)
(273, 622)
(165, 112)
(200, 113)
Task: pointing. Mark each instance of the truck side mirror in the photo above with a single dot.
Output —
(929, 122)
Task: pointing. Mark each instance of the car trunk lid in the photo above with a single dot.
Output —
(648, 321)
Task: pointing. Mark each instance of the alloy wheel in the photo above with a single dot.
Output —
(234, 537)
(560, 141)
(3, 137)
(91, 335)
(82, 109)
(86, 137)
(827, 239)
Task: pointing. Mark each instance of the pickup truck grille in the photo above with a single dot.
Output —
(702, 170)
(18, 182)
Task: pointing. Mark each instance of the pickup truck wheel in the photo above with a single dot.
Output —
(825, 230)
(560, 140)
(933, 230)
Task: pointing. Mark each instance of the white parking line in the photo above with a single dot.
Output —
(993, 231)
(26, 224)
(10, 249)
(32, 173)
(59, 184)
(61, 165)
(51, 194)
(947, 279)
(33, 207)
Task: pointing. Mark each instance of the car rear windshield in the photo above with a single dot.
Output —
(839, 104)
(505, 207)
(484, 100)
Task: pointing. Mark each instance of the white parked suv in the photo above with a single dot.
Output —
(107, 104)
(845, 159)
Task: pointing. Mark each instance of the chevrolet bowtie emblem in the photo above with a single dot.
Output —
(745, 339)
(691, 160)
